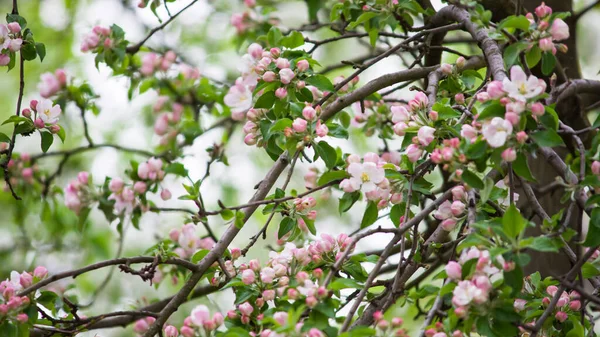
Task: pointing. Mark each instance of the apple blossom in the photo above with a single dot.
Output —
(497, 131)
(559, 30)
(426, 135)
(48, 112)
(520, 87)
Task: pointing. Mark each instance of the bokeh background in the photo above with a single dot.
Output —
(204, 38)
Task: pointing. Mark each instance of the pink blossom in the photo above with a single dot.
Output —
(14, 27)
(165, 194)
(281, 317)
(469, 132)
(302, 65)
(246, 308)
(454, 270)
(282, 63)
(299, 125)
(399, 128)
(495, 90)
(267, 274)
(575, 305)
(199, 315)
(321, 129)
(269, 76)
(537, 109)
(48, 112)
(520, 87)
(446, 68)
(239, 100)
(426, 135)
(419, 102)
(559, 30)
(365, 176)
(448, 224)
(281, 93)
(399, 114)
(314, 332)
(309, 113)
(519, 304)
(546, 44)
(497, 131)
(457, 208)
(596, 167)
(286, 75)
(171, 331)
(542, 10)
(4, 60)
(561, 316)
(509, 155)
(413, 152)
(551, 290)
(255, 50)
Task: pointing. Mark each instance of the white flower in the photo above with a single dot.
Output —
(496, 131)
(238, 99)
(48, 112)
(49, 85)
(367, 175)
(520, 87)
(4, 38)
(465, 292)
(400, 114)
(308, 289)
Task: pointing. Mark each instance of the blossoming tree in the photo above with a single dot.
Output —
(487, 161)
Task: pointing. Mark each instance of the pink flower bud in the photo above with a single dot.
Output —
(551, 290)
(250, 139)
(54, 129)
(22, 318)
(39, 123)
(302, 65)
(286, 75)
(457, 333)
(460, 62)
(187, 331)
(282, 63)
(26, 113)
(292, 293)
(232, 314)
(509, 155)
(281, 93)
(33, 104)
(433, 115)
(559, 30)
(512, 118)
(268, 295)
(140, 326)
(537, 109)
(519, 304)
(399, 128)
(561, 316)
(446, 69)
(40, 272)
(248, 276)
(299, 125)
(413, 152)
(14, 27)
(483, 97)
(140, 187)
(542, 10)
(311, 301)
(25, 279)
(575, 305)
(165, 194)
(171, 331)
(275, 52)
(448, 224)
(246, 308)
(459, 98)
(546, 44)
(309, 113)
(454, 270)
(269, 76)
(281, 317)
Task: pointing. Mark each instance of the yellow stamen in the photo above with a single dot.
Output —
(364, 177)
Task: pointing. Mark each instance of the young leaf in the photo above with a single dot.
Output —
(47, 139)
(513, 222)
(370, 215)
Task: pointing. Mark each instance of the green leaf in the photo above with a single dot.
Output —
(548, 62)
(274, 36)
(545, 244)
(521, 168)
(327, 153)
(344, 283)
(61, 134)
(472, 179)
(347, 200)
(227, 214)
(321, 82)
(445, 112)
(16, 119)
(493, 110)
(396, 213)
(366, 16)
(593, 236)
(28, 51)
(239, 219)
(41, 50)
(265, 101)
(519, 22)
(533, 56)
(487, 190)
(477, 150)
(4, 138)
(199, 255)
(513, 222)
(280, 125)
(511, 53)
(313, 9)
(331, 176)
(177, 169)
(286, 226)
(294, 40)
(547, 138)
(16, 18)
(549, 119)
(370, 215)
(47, 139)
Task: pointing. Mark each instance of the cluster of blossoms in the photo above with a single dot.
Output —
(567, 303)
(167, 123)
(548, 29)
(250, 18)
(10, 41)
(79, 193)
(44, 114)
(475, 289)
(517, 94)
(389, 328)
(449, 213)
(51, 83)
(21, 168)
(189, 241)
(99, 36)
(438, 331)
(199, 323)
(11, 305)
(368, 176)
(269, 66)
